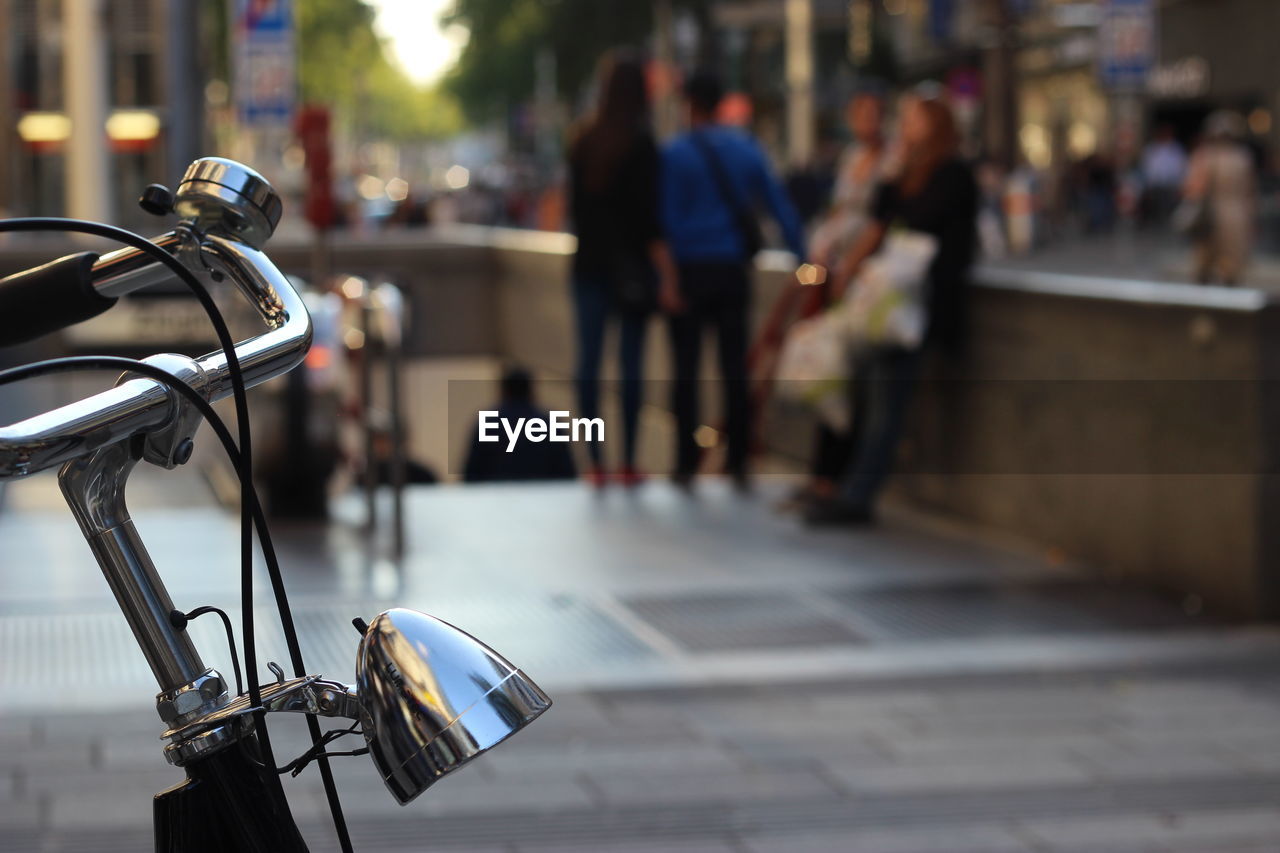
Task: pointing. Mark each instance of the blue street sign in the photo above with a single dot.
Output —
(1126, 43)
(940, 15)
(264, 61)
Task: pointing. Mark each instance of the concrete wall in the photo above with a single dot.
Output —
(1131, 433)
(1126, 425)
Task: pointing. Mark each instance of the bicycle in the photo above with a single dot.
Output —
(428, 697)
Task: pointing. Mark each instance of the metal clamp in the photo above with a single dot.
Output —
(205, 694)
(199, 735)
(172, 445)
(206, 743)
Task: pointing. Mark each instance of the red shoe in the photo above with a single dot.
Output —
(596, 477)
(629, 477)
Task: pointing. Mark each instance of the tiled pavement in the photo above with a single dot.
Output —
(1122, 761)
(724, 681)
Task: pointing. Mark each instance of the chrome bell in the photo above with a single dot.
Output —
(228, 198)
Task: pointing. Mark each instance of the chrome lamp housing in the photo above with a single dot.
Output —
(432, 697)
(429, 697)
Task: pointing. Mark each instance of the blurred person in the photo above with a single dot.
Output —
(992, 219)
(859, 172)
(512, 208)
(443, 209)
(622, 268)
(384, 461)
(1098, 192)
(860, 169)
(935, 193)
(1163, 169)
(490, 461)
(1221, 201)
(809, 186)
(713, 178)
(1021, 199)
(410, 212)
(551, 207)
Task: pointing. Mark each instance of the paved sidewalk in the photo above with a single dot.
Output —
(1118, 761)
(724, 679)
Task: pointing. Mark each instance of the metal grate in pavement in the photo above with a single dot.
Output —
(727, 622)
(980, 610)
(77, 658)
(540, 632)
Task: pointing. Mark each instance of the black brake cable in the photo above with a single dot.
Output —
(179, 620)
(293, 768)
(227, 343)
(251, 514)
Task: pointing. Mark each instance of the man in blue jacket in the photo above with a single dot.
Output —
(713, 180)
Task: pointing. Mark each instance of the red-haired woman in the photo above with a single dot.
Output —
(932, 192)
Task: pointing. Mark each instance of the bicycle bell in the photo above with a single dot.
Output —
(228, 198)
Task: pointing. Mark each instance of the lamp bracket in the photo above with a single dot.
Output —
(310, 694)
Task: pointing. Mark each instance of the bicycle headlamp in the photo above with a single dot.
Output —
(433, 697)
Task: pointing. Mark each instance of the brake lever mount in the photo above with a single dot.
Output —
(307, 695)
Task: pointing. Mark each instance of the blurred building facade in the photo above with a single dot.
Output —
(1206, 55)
(1026, 77)
(1030, 78)
(882, 44)
(144, 83)
(1218, 54)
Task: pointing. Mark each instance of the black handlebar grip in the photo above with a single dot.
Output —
(48, 298)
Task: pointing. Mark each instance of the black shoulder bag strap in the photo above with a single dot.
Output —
(743, 219)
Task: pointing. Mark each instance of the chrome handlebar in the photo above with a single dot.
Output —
(208, 243)
(126, 270)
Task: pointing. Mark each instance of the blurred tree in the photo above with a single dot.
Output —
(496, 67)
(342, 63)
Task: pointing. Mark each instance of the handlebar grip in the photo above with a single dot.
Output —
(48, 298)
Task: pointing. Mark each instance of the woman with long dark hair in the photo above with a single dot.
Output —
(933, 192)
(622, 270)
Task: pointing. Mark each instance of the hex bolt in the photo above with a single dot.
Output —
(168, 713)
(187, 701)
(212, 687)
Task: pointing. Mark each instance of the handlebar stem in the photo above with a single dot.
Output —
(94, 489)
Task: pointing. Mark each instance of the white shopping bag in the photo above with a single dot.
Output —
(885, 306)
(813, 367)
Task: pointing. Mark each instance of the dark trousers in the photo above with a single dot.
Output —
(717, 296)
(593, 307)
(831, 449)
(882, 386)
